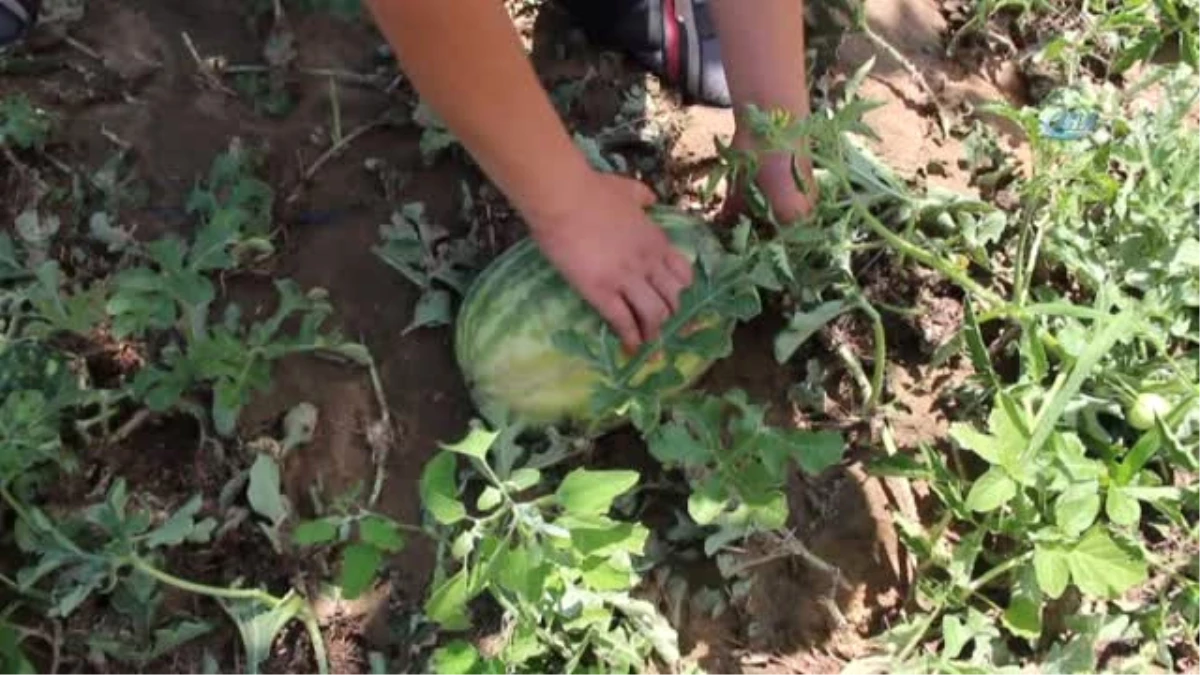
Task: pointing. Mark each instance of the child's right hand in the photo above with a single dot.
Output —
(603, 242)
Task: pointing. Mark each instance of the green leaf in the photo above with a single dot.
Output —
(165, 640)
(984, 445)
(476, 444)
(1077, 507)
(1024, 617)
(456, 657)
(360, 562)
(1122, 507)
(1064, 390)
(961, 567)
(605, 537)
(816, 451)
(1051, 569)
(672, 445)
(12, 660)
(1076, 656)
(181, 526)
(584, 492)
(76, 584)
(10, 266)
(991, 491)
(439, 491)
(382, 533)
(523, 479)
(519, 570)
(263, 490)
(433, 309)
(209, 664)
(489, 499)
(803, 325)
(259, 627)
(903, 466)
(706, 504)
(1100, 567)
(447, 603)
(312, 532)
(956, 636)
(463, 544)
(1187, 256)
(975, 345)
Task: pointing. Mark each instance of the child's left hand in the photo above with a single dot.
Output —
(775, 179)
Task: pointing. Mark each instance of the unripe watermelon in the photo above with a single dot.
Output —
(504, 335)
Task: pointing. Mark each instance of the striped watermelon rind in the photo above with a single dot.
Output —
(506, 325)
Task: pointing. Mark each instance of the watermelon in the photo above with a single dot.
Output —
(505, 336)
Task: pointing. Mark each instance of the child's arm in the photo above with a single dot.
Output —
(465, 60)
(762, 45)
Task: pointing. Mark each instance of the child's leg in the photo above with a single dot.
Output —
(763, 46)
(16, 17)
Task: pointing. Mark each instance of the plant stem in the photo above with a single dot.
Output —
(972, 589)
(201, 589)
(318, 641)
(10, 583)
(410, 528)
(913, 251)
(23, 514)
(852, 363)
(877, 370)
(997, 571)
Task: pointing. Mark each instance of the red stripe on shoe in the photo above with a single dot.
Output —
(671, 41)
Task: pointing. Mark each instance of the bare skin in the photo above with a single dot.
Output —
(466, 61)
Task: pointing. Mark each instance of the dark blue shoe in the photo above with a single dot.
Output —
(16, 18)
(674, 39)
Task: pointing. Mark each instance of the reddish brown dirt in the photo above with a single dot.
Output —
(146, 92)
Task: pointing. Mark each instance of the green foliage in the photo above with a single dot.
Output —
(1064, 503)
(559, 565)
(436, 138)
(266, 96)
(12, 660)
(365, 539)
(22, 125)
(1116, 209)
(1115, 35)
(1066, 485)
(431, 259)
(233, 199)
(165, 300)
(736, 463)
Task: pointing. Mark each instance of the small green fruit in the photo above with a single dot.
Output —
(1145, 408)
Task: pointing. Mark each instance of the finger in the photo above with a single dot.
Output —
(621, 319)
(643, 194)
(668, 285)
(680, 268)
(648, 306)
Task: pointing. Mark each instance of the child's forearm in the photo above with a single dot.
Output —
(762, 45)
(466, 61)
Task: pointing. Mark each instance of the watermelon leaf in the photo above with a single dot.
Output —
(584, 492)
(439, 492)
(476, 444)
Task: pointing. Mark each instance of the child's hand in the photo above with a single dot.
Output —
(775, 178)
(614, 256)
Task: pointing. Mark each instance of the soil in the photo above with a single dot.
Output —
(142, 86)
